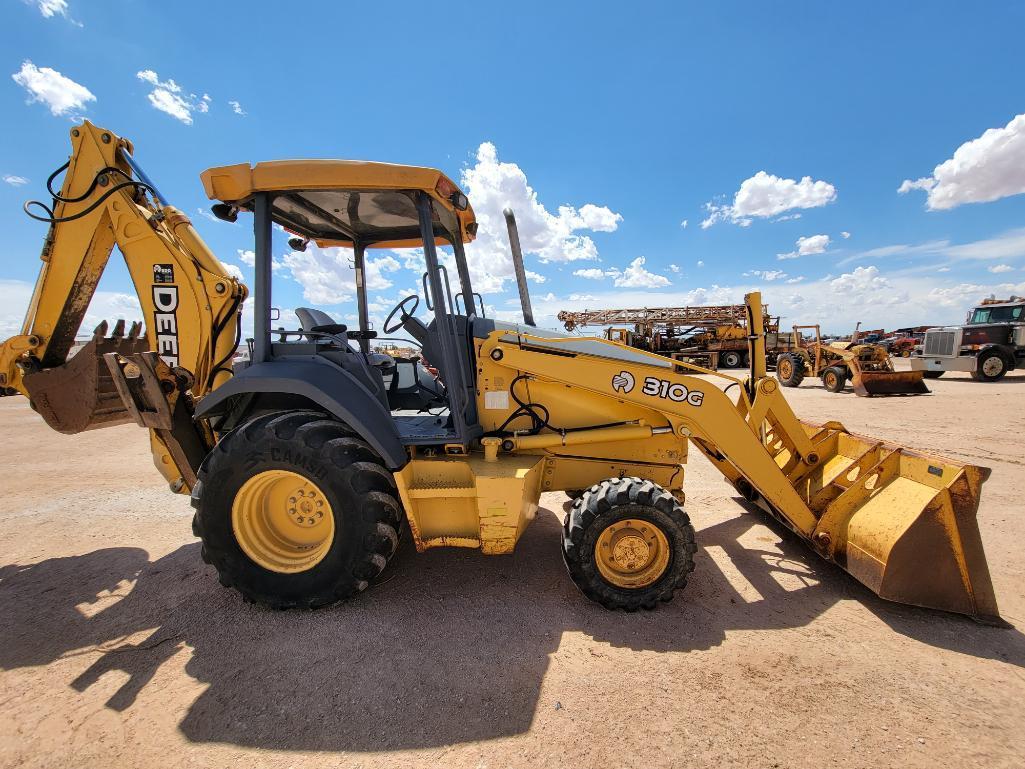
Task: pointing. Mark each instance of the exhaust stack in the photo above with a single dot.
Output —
(521, 275)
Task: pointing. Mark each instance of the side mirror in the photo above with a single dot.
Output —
(298, 244)
(225, 212)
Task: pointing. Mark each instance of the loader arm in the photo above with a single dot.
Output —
(190, 305)
(878, 510)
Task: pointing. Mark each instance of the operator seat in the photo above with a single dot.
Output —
(368, 369)
(312, 319)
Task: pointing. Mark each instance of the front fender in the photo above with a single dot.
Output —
(337, 391)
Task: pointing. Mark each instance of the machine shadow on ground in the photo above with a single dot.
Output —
(451, 646)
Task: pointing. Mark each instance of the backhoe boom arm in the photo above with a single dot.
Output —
(190, 306)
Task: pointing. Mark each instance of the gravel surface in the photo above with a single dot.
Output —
(118, 648)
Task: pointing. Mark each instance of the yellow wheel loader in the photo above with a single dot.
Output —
(866, 366)
(303, 465)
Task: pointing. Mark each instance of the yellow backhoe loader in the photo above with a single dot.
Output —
(302, 465)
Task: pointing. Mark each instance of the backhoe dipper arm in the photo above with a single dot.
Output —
(190, 305)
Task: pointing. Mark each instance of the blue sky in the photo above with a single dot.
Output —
(772, 129)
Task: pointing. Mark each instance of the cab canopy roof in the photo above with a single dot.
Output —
(345, 202)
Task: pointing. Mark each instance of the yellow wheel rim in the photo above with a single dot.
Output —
(283, 521)
(831, 380)
(632, 553)
(786, 368)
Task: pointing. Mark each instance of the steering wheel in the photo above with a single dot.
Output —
(406, 313)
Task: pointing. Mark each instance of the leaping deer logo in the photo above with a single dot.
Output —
(623, 382)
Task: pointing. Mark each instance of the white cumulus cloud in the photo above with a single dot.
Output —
(998, 268)
(327, 275)
(237, 108)
(15, 181)
(535, 277)
(168, 97)
(765, 195)
(981, 170)
(807, 246)
(591, 273)
(51, 8)
(767, 275)
(60, 94)
(598, 218)
(493, 185)
(863, 280)
(637, 276)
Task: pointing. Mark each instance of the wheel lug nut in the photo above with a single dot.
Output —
(292, 500)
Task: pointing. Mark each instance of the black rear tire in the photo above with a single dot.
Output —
(933, 374)
(834, 379)
(352, 477)
(790, 370)
(620, 499)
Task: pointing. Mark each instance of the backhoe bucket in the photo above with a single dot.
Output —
(80, 395)
(868, 383)
(900, 522)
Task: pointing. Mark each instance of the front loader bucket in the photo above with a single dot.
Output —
(900, 522)
(868, 383)
(80, 394)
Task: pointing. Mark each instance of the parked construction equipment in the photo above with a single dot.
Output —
(867, 367)
(302, 471)
(713, 336)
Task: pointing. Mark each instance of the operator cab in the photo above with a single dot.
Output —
(363, 206)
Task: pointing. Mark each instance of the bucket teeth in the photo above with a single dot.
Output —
(80, 394)
(117, 335)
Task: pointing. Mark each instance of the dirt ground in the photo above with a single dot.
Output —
(118, 648)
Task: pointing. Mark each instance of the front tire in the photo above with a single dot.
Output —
(296, 511)
(990, 366)
(628, 544)
(834, 379)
